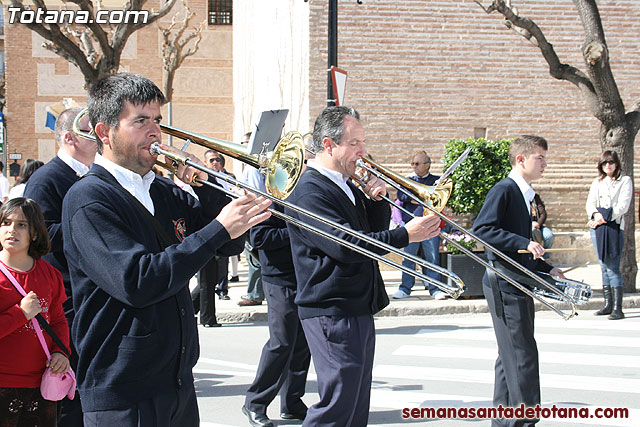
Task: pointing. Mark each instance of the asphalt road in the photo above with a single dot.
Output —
(587, 363)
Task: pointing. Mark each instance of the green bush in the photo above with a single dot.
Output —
(487, 163)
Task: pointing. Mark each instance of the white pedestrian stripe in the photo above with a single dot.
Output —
(477, 376)
(555, 357)
(554, 323)
(541, 338)
(438, 353)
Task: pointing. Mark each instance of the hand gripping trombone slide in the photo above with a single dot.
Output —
(282, 168)
(453, 291)
(577, 292)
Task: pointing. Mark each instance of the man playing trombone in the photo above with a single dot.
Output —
(340, 290)
(505, 223)
(133, 241)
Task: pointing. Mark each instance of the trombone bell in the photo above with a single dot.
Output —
(282, 167)
(434, 196)
(285, 165)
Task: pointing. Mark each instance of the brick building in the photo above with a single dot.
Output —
(421, 73)
(36, 77)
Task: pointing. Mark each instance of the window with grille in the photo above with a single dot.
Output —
(220, 12)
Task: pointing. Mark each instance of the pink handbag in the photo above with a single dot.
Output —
(53, 386)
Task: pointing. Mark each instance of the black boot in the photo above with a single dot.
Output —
(606, 290)
(617, 313)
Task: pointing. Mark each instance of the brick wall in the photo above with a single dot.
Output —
(424, 72)
(203, 95)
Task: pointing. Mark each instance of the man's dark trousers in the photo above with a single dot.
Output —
(285, 358)
(342, 350)
(517, 377)
(204, 294)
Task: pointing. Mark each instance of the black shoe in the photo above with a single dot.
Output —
(293, 415)
(212, 325)
(257, 420)
(234, 279)
(224, 297)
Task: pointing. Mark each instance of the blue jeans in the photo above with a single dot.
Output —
(254, 282)
(611, 265)
(546, 235)
(431, 253)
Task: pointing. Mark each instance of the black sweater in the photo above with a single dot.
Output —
(271, 239)
(332, 279)
(134, 326)
(48, 186)
(505, 223)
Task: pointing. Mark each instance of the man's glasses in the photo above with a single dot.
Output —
(418, 164)
(608, 162)
(215, 159)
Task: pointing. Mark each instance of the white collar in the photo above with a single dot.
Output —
(525, 188)
(335, 177)
(423, 176)
(78, 167)
(135, 184)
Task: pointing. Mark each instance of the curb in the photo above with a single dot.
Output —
(425, 307)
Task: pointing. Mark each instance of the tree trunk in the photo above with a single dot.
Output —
(620, 139)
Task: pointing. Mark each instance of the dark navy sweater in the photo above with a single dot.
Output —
(334, 280)
(505, 223)
(48, 186)
(271, 239)
(134, 326)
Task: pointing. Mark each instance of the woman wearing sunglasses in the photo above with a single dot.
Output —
(609, 199)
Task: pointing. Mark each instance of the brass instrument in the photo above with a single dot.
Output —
(283, 168)
(437, 197)
(424, 196)
(453, 291)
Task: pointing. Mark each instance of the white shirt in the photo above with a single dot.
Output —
(253, 177)
(135, 184)
(4, 187)
(17, 191)
(607, 193)
(525, 188)
(334, 176)
(78, 167)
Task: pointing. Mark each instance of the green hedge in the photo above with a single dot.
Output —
(487, 163)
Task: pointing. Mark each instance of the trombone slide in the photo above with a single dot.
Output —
(453, 291)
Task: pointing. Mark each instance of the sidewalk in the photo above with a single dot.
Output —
(420, 303)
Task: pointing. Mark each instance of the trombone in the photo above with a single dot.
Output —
(283, 168)
(454, 291)
(428, 197)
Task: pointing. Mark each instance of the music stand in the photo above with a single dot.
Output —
(268, 129)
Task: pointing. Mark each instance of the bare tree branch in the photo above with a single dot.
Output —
(596, 55)
(75, 42)
(618, 130)
(174, 45)
(528, 29)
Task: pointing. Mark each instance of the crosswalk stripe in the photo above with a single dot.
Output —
(395, 399)
(569, 382)
(576, 323)
(555, 357)
(209, 361)
(488, 335)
